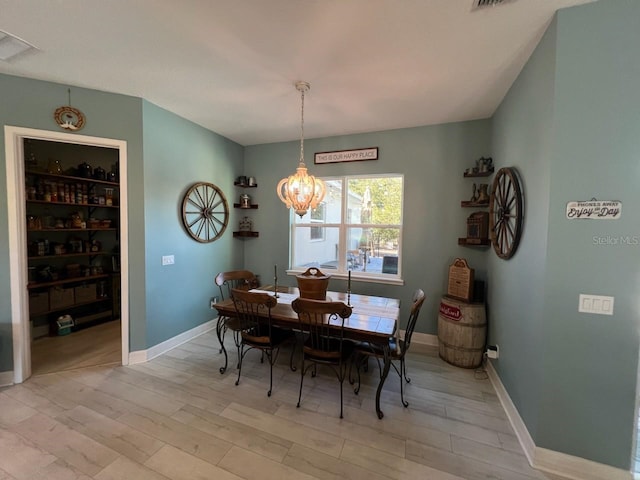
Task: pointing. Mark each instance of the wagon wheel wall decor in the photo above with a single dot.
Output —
(205, 212)
(505, 213)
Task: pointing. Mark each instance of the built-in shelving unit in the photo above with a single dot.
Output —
(73, 234)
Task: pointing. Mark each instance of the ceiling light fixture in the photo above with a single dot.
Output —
(12, 46)
(301, 190)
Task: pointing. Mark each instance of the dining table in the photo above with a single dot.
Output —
(373, 319)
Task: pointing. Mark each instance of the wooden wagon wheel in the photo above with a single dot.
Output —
(505, 213)
(205, 212)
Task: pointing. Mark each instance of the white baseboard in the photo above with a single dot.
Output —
(6, 378)
(549, 460)
(141, 356)
(526, 442)
(423, 338)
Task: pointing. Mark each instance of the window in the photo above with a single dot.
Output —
(317, 216)
(358, 227)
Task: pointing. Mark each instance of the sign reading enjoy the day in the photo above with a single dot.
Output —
(347, 155)
(594, 209)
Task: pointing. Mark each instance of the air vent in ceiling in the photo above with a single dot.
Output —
(12, 46)
(479, 4)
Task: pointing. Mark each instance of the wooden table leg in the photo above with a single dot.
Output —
(383, 376)
(220, 326)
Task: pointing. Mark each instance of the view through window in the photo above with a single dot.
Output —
(357, 227)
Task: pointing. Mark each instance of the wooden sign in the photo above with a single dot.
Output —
(595, 209)
(347, 155)
(460, 284)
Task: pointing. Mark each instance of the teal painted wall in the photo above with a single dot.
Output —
(592, 360)
(165, 154)
(178, 153)
(522, 134)
(432, 160)
(571, 123)
(30, 104)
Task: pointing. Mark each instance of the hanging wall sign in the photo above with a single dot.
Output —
(347, 155)
(594, 209)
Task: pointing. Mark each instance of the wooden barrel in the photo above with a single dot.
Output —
(462, 332)
(313, 284)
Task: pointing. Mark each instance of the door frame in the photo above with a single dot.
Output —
(14, 156)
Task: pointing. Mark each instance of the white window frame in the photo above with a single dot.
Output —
(342, 271)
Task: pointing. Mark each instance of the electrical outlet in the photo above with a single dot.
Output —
(493, 351)
(212, 302)
(168, 260)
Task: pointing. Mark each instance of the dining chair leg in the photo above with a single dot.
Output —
(357, 362)
(407, 379)
(241, 356)
(301, 381)
(237, 339)
(293, 351)
(270, 357)
(220, 331)
(341, 378)
(341, 400)
(402, 374)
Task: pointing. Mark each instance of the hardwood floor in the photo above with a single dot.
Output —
(177, 417)
(98, 345)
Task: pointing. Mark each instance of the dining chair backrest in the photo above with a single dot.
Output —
(239, 279)
(324, 322)
(254, 313)
(416, 304)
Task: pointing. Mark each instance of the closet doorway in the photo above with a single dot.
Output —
(69, 245)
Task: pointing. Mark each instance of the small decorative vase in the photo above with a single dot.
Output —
(483, 196)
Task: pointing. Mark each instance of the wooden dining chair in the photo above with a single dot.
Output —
(256, 332)
(227, 281)
(398, 348)
(325, 343)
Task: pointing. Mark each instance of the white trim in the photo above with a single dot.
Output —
(423, 338)
(141, 356)
(14, 156)
(17, 256)
(527, 443)
(575, 467)
(549, 460)
(540, 458)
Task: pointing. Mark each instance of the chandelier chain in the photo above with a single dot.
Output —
(302, 128)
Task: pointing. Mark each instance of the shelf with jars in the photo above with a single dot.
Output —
(72, 226)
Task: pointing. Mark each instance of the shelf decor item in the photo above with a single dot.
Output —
(205, 212)
(246, 225)
(478, 228)
(301, 190)
(245, 201)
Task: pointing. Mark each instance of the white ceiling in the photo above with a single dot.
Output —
(231, 65)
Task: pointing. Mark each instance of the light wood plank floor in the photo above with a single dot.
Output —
(176, 417)
(97, 345)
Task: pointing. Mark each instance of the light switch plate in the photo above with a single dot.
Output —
(168, 260)
(598, 304)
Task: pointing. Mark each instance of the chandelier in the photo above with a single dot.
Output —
(301, 190)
